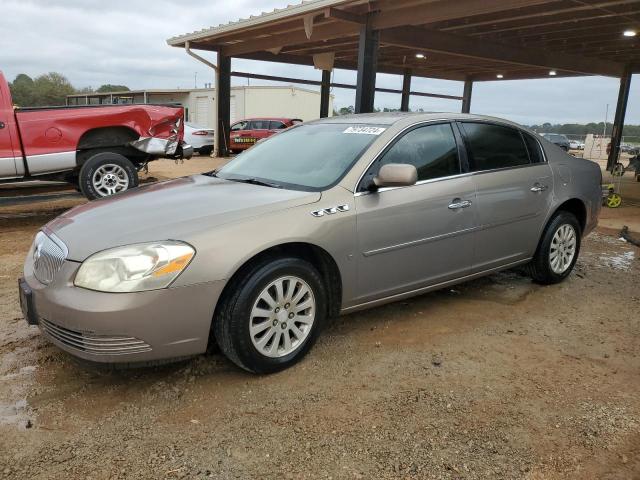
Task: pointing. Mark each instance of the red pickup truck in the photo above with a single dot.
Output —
(99, 148)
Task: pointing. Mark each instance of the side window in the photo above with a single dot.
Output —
(238, 126)
(277, 125)
(259, 125)
(431, 149)
(494, 146)
(533, 146)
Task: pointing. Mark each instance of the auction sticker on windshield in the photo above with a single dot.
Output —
(365, 130)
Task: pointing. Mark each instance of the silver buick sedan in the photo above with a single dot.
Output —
(326, 218)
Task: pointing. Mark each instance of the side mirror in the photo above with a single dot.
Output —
(396, 175)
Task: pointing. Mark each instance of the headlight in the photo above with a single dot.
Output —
(135, 268)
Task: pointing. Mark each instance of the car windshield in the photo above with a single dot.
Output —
(306, 157)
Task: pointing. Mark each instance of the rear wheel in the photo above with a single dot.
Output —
(106, 174)
(205, 150)
(558, 249)
(272, 315)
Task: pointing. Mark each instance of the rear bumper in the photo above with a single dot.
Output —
(118, 328)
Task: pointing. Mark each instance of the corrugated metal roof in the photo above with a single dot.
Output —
(302, 8)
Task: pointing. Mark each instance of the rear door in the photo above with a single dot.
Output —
(276, 126)
(420, 235)
(10, 154)
(260, 129)
(513, 190)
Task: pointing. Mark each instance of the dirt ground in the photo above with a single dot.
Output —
(496, 378)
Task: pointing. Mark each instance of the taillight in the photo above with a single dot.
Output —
(200, 132)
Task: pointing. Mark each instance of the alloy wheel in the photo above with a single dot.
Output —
(109, 179)
(562, 249)
(282, 316)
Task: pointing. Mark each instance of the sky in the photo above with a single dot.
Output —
(94, 42)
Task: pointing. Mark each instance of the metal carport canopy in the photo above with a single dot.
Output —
(464, 40)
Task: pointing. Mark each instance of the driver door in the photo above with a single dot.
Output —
(421, 235)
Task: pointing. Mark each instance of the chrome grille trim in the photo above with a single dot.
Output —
(92, 343)
(49, 253)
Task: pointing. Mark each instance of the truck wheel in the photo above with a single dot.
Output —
(272, 315)
(106, 174)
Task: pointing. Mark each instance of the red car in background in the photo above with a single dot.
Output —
(245, 133)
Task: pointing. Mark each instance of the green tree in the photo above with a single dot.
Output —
(346, 110)
(106, 88)
(22, 90)
(51, 89)
(581, 129)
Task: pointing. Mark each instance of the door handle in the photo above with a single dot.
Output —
(458, 203)
(538, 188)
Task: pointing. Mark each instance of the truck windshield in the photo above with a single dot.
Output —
(307, 157)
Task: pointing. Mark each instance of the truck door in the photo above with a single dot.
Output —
(10, 154)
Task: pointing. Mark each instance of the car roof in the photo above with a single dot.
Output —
(407, 118)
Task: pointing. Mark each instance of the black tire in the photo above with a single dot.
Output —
(540, 267)
(103, 159)
(232, 320)
(205, 150)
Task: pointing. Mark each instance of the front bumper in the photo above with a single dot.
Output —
(123, 327)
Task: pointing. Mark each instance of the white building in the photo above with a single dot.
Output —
(200, 103)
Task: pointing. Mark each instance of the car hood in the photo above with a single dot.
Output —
(179, 209)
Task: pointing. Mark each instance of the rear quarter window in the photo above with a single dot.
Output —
(534, 148)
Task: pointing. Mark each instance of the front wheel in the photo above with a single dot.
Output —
(105, 174)
(272, 315)
(558, 249)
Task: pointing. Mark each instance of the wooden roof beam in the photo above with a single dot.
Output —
(435, 11)
(445, 10)
(344, 16)
(543, 13)
(559, 20)
(429, 40)
(322, 31)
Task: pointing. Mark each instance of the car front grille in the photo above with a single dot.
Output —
(48, 257)
(92, 343)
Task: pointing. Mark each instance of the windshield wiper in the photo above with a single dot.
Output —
(255, 181)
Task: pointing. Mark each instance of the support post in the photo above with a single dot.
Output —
(466, 95)
(325, 89)
(406, 91)
(223, 103)
(618, 120)
(367, 67)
